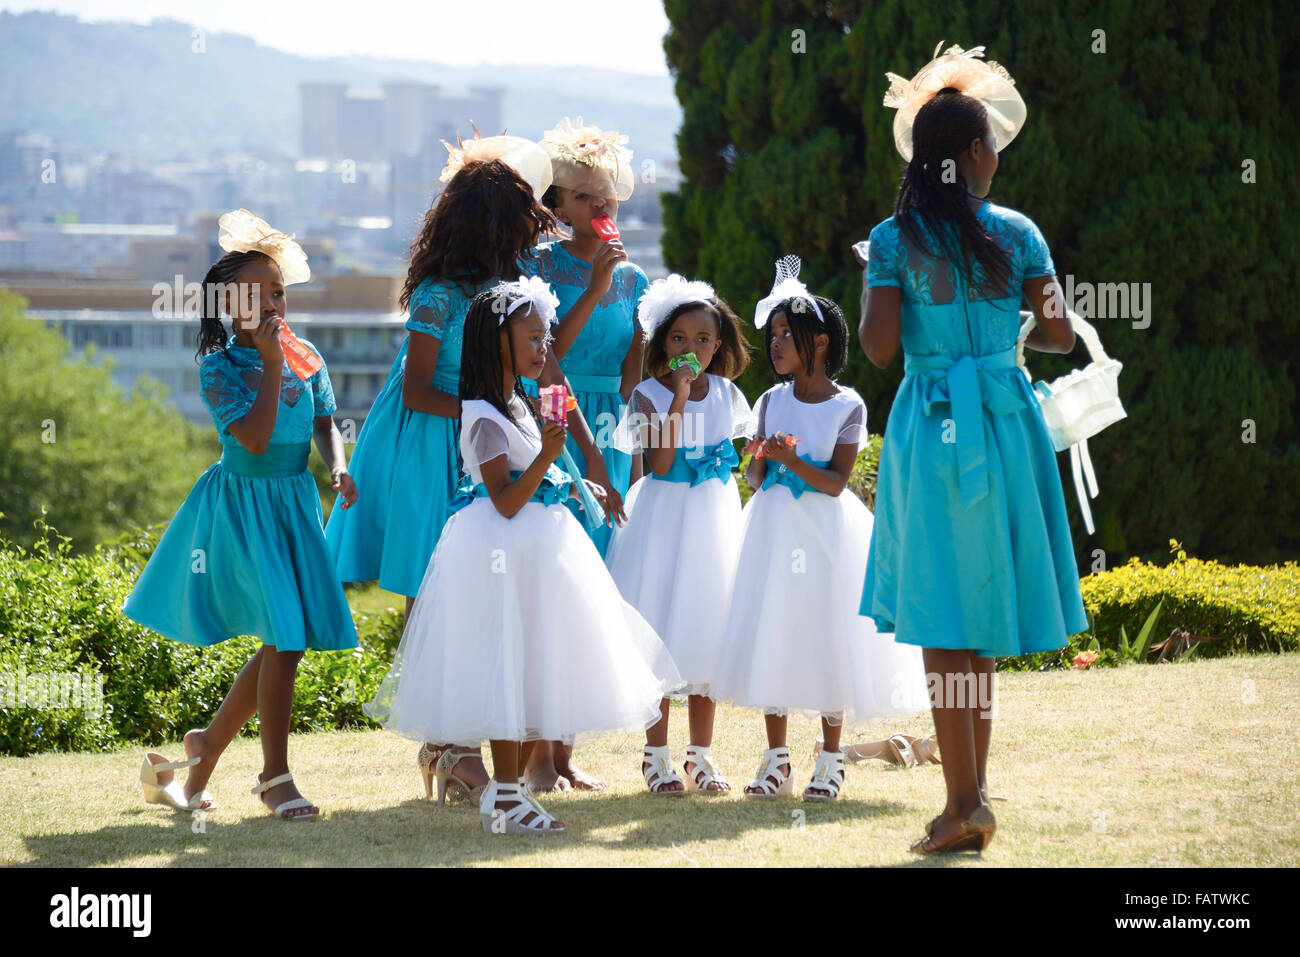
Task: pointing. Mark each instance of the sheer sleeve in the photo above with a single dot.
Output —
(743, 422)
(1035, 256)
(760, 412)
(224, 393)
(853, 430)
(430, 305)
(883, 252)
(632, 435)
(487, 441)
(322, 390)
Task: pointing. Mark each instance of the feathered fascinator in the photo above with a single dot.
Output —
(968, 72)
(580, 154)
(664, 295)
(523, 156)
(240, 231)
(785, 286)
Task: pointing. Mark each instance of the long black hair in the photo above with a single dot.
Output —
(212, 332)
(805, 327)
(943, 129)
(481, 371)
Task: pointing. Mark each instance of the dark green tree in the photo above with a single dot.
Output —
(1135, 162)
(97, 459)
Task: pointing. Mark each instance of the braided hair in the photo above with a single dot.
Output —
(481, 370)
(805, 327)
(943, 129)
(212, 332)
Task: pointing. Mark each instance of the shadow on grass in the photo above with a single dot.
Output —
(418, 833)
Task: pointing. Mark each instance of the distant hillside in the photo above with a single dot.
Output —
(128, 88)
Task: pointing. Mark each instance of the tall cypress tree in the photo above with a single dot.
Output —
(1146, 123)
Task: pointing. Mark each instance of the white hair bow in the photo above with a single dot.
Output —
(531, 290)
(664, 295)
(785, 286)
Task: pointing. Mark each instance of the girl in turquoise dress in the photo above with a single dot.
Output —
(596, 343)
(245, 553)
(971, 555)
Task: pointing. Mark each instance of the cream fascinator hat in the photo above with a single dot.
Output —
(523, 156)
(968, 72)
(785, 286)
(240, 231)
(580, 154)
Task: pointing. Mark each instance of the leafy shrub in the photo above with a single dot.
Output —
(60, 612)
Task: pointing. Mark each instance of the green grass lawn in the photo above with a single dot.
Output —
(1194, 763)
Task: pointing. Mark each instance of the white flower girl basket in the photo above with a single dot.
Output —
(1077, 406)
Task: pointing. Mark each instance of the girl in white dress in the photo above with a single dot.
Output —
(794, 638)
(517, 633)
(675, 558)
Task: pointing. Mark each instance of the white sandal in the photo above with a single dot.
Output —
(705, 773)
(160, 786)
(511, 821)
(828, 775)
(657, 769)
(282, 810)
(769, 770)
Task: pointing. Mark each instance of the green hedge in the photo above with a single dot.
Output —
(60, 614)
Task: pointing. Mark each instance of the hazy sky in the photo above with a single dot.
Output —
(618, 34)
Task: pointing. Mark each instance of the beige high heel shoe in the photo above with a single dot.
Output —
(425, 760)
(447, 779)
(158, 781)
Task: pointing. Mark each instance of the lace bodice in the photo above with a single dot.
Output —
(603, 342)
(438, 308)
(942, 316)
(229, 382)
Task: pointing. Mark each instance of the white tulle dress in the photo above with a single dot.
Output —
(518, 632)
(675, 558)
(794, 639)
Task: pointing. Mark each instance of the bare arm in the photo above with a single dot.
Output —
(418, 392)
(879, 332)
(1052, 330)
(330, 443)
(831, 480)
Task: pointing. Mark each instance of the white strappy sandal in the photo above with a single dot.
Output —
(511, 821)
(158, 781)
(657, 769)
(769, 770)
(828, 775)
(705, 773)
(282, 810)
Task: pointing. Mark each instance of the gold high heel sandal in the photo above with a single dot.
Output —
(975, 833)
(426, 759)
(447, 779)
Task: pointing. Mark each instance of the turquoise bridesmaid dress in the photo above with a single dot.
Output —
(971, 547)
(406, 464)
(245, 554)
(594, 362)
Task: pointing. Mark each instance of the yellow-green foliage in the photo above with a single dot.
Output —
(1252, 607)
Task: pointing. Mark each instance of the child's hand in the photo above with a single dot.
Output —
(344, 485)
(682, 379)
(266, 339)
(776, 450)
(752, 446)
(553, 438)
(602, 266)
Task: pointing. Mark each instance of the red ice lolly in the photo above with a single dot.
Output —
(604, 227)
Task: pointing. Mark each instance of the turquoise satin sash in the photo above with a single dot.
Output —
(553, 490)
(280, 460)
(968, 385)
(701, 463)
(594, 383)
(781, 475)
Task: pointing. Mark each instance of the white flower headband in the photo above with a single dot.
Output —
(664, 295)
(576, 151)
(963, 70)
(786, 286)
(523, 156)
(239, 231)
(532, 291)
